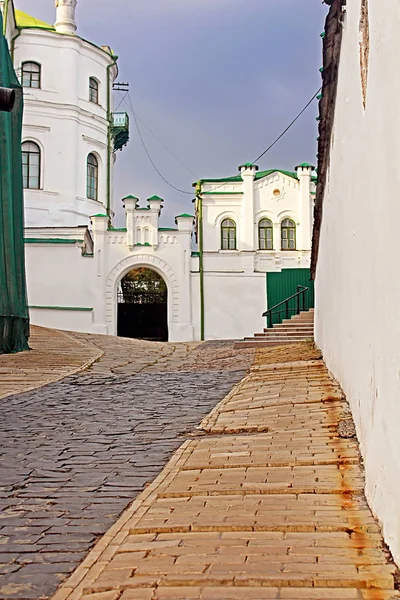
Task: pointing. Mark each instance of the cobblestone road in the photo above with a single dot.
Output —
(75, 453)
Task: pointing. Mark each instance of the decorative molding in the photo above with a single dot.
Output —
(141, 260)
(94, 142)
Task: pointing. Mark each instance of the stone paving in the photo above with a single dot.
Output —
(54, 355)
(75, 453)
(265, 502)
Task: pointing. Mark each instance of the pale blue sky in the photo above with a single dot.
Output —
(216, 80)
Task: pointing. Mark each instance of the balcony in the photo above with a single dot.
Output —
(120, 130)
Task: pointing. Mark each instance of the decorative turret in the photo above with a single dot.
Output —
(65, 16)
(304, 173)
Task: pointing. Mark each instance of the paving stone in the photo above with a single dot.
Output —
(92, 442)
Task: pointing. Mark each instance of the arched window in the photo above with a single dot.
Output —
(288, 235)
(93, 90)
(228, 235)
(92, 177)
(265, 235)
(31, 165)
(31, 75)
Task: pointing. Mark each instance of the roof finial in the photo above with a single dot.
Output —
(65, 16)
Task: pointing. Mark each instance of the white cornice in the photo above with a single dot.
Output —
(94, 142)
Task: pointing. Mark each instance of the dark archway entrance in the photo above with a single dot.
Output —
(143, 306)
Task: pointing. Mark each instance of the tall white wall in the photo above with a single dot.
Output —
(65, 125)
(357, 281)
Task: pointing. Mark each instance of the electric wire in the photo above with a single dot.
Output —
(136, 118)
(148, 153)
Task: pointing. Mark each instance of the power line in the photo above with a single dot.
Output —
(288, 127)
(136, 118)
(280, 136)
(148, 154)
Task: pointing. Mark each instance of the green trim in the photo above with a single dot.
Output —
(236, 178)
(223, 193)
(147, 208)
(71, 308)
(201, 261)
(5, 17)
(109, 132)
(52, 241)
(117, 229)
(196, 254)
(305, 166)
(146, 244)
(229, 229)
(87, 255)
(263, 174)
(167, 229)
(248, 164)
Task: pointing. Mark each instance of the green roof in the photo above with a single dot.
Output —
(130, 197)
(263, 174)
(99, 215)
(306, 166)
(237, 178)
(167, 229)
(25, 21)
(155, 199)
(185, 215)
(259, 175)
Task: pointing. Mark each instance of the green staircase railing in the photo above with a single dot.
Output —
(289, 307)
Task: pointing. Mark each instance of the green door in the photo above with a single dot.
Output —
(281, 286)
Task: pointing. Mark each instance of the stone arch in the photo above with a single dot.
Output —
(132, 262)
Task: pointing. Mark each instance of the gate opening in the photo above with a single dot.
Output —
(143, 306)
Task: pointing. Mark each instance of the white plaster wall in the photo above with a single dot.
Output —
(59, 276)
(66, 126)
(357, 282)
(234, 305)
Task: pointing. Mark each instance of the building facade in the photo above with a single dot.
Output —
(250, 225)
(355, 252)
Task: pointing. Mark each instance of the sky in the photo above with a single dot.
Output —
(215, 80)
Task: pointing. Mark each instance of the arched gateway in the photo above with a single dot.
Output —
(158, 268)
(142, 298)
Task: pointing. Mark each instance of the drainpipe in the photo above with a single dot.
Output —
(5, 15)
(109, 137)
(201, 264)
(12, 50)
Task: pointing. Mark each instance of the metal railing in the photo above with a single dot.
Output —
(299, 303)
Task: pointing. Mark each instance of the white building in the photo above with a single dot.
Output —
(248, 226)
(355, 253)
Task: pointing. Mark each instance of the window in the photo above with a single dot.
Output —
(265, 235)
(92, 177)
(228, 235)
(93, 90)
(31, 75)
(31, 166)
(288, 235)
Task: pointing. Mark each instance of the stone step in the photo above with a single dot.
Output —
(253, 343)
(284, 328)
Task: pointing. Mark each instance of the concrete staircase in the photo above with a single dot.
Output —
(291, 331)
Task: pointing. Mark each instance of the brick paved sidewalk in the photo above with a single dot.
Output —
(267, 502)
(54, 355)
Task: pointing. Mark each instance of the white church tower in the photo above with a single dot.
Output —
(65, 19)
(70, 133)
